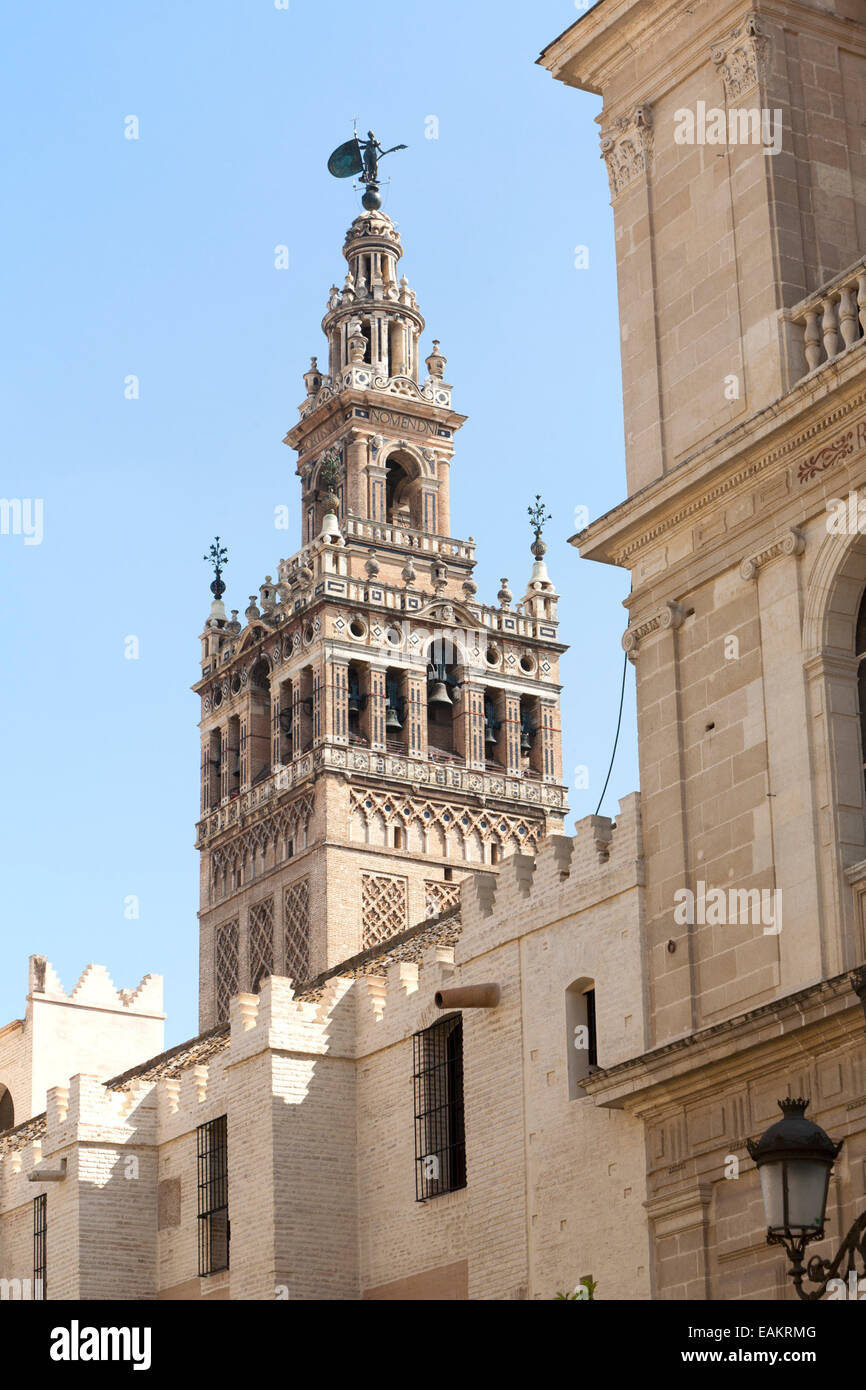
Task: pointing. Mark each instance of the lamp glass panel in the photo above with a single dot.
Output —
(773, 1194)
(807, 1193)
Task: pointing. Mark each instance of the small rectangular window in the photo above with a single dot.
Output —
(440, 1144)
(40, 1247)
(213, 1196)
(592, 1048)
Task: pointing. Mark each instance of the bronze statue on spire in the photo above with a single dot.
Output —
(361, 158)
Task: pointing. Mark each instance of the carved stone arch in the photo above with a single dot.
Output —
(834, 591)
(414, 459)
(449, 635)
(249, 638)
(404, 472)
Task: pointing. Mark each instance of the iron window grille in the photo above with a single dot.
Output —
(213, 1196)
(40, 1247)
(440, 1142)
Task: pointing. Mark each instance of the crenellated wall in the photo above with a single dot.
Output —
(318, 1096)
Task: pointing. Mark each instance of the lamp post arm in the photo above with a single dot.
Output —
(820, 1271)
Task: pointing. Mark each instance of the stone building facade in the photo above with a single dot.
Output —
(351, 1123)
(742, 293)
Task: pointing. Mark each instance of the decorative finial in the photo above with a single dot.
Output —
(217, 556)
(505, 595)
(538, 517)
(435, 363)
(357, 157)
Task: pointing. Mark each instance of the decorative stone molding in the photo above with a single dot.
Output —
(626, 148)
(827, 456)
(741, 57)
(670, 615)
(793, 543)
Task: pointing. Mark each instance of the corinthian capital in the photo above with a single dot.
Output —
(741, 57)
(626, 147)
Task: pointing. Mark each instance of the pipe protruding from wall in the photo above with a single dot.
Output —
(468, 997)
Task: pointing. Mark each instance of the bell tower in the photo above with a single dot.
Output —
(372, 733)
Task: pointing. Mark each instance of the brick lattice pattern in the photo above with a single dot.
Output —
(297, 931)
(227, 945)
(439, 896)
(261, 942)
(383, 907)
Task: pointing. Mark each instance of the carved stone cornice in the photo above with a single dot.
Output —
(670, 615)
(761, 458)
(792, 543)
(741, 57)
(626, 148)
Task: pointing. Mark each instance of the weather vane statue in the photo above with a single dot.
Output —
(362, 157)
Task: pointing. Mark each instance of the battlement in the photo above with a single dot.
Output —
(94, 1029)
(95, 989)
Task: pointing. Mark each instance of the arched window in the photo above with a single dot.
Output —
(233, 750)
(286, 717)
(259, 743)
(494, 732)
(396, 485)
(580, 1034)
(444, 695)
(7, 1109)
(396, 706)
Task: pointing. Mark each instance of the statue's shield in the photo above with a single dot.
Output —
(346, 160)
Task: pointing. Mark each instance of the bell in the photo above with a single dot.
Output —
(489, 735)
(525, 742)
(392, 718)
(438, 694)
(354, 705)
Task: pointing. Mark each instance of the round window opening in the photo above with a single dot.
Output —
(394, 636)
(527, 663)
(308, 635)
(357, 628)
(492, 655)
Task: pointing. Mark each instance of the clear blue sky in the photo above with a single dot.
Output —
(155, 257)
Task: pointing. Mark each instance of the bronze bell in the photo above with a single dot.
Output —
(392, 718)
(489, 735)
(354, 705)
(439, 694)
(525, 742)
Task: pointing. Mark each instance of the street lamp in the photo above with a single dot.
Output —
(794, 1158)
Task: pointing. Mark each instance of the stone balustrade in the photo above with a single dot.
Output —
(524, 788)
(354, 527)
(834, 319)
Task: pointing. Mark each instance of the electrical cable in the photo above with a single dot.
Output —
(616, 736)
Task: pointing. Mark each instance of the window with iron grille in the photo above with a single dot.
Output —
(440, 1145)
(40, 1246)
(213, 1196)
